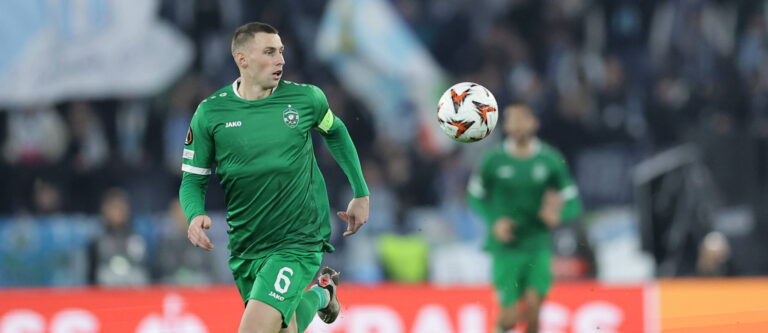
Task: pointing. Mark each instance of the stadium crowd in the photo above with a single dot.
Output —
(614, 83)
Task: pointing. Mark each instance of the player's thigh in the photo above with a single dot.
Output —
(533, 300)
(508, 272)
(260, 317)
(539, 275)
(282, 279)
(244, 272)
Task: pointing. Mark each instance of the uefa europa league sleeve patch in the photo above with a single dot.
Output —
(188, 140)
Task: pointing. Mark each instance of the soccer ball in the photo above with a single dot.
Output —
(467, 112)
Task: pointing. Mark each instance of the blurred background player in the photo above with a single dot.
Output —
(118, 256)
(257, 132)
(522, 189)
(175, 261)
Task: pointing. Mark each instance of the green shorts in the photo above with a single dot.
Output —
(278, 279)
(516, 271)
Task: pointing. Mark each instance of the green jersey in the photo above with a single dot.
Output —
(509, 186)
(274, 192)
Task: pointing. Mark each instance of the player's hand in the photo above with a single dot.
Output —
(196, 234)
(356, 214)
(503, 229)
(551, 205)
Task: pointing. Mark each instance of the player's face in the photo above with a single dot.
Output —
(265, 60)
(520, 124)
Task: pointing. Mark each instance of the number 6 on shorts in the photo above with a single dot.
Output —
(281, 277)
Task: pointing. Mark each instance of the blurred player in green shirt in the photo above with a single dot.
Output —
(257, 132)
(522, 189)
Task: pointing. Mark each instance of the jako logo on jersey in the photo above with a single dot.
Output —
(279, 298)
(291, 117)
(234, 124)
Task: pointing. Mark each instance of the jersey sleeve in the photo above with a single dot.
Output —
(339, 143)
(198, 146)
(196, 167)
(324, 117)
(478, 188)
(562, 181)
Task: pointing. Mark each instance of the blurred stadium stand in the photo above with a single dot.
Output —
(621, 87)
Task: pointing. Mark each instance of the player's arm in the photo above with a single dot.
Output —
(196, 167)
(566, 197)
(477, 191)
(502, 227)
(342, 149)
(340, 144)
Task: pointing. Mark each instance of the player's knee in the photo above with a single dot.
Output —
(507, 324)
(255, 329)
(508, 319)
(532, 307)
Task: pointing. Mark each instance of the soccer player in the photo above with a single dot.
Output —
(522, 189)
(256, 130)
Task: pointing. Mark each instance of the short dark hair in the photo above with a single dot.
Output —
(519, 107)
(114, 194)
(246, 32)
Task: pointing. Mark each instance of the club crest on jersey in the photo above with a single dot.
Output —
(291, 117)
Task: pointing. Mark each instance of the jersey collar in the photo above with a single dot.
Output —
(236, 84)
(509, 144)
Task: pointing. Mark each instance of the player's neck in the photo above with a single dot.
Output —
(521, 148)
(251, 92)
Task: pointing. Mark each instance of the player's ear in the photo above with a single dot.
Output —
(241, 59)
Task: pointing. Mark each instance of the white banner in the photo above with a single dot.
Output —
(377, 58)
(59, 50)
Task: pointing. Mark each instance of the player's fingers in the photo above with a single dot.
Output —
(200, 239)
(206, 242)
(356, 223)
(349, 221)
(352, 225)
(554, 199)
(206, 223)
(343, 215)
(194, 238)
